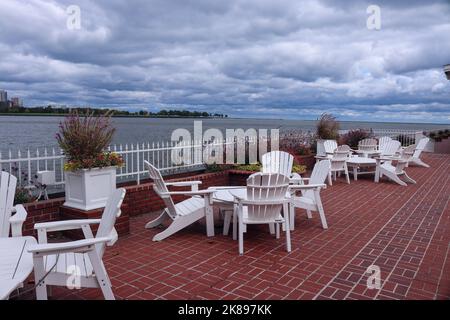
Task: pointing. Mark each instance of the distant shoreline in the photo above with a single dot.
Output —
(114, 116)
(221, 118)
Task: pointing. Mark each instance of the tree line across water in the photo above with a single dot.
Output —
(51, 110)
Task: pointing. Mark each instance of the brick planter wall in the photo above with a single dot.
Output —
(238, 177)
(442, 146)
(42, 211)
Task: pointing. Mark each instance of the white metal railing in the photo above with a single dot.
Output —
(405, 136)
(26, 165)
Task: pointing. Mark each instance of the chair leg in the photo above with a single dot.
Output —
(291, 216)
(277, 230)
(241, 237)
(346, 174)
(320, 209)
(101, 275)
(419, 162)
(288, 231)
(394, 178)
(409, 179)
(156, 222)
(329, 179)
(308, 214)
(235, 224)
(177, 224)
(226, 221)
(39, 273)
(272, 228)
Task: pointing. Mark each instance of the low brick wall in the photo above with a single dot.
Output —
(139, 199)
(143, 199)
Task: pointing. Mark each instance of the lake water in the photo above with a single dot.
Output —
(22, 132)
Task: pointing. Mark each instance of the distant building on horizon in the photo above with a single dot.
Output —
(3, 96)
(16, 102)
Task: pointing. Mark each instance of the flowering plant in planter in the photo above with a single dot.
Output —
(83, 140)
(104, 159)
(90, 175)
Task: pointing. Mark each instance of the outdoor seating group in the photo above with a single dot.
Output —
(270, 197)
(382, 157)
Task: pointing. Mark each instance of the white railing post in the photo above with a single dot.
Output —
(138, 161)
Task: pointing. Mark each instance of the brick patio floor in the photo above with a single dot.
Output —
(403, 230)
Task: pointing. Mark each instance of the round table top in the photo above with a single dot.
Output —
(226, 194)
(361, 160)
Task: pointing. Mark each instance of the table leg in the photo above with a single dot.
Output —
(377, 172)
(209, 219)
(355, 173)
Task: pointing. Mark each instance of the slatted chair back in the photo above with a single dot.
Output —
(382, 142)
(266, 187)
(110, 214)
(420, 147)
(340, 156)
(330, 146)
(277, 162)
(318, 176)
(368, 144)
(8, 185)
(160, 188)
(391, 148)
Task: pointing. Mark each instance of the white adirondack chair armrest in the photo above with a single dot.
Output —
(17, 220)
(65, 225)
(78, 245)
(307, 186)
(398, 159)
(187, 193)
(261, 202)
(183, 183)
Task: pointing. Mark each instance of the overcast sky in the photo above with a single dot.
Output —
(253, 58)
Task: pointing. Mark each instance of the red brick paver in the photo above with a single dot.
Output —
(403, 230)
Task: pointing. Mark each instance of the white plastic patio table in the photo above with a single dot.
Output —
(359, 162)
(16, 263)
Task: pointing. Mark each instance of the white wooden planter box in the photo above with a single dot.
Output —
(89, 189)
(321, 148)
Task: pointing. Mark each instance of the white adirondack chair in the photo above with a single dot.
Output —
(391, 148)
(386, 168)
(279, 162)
(339, 163)
(78, 262)
(382, 142)
(368, 145)
(415, 158)
(395, 173)
(328, 148)
(265, 201)
(183, 213)
(310, 199)
(11, 217)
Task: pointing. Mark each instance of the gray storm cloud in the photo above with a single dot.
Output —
(256, 58)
